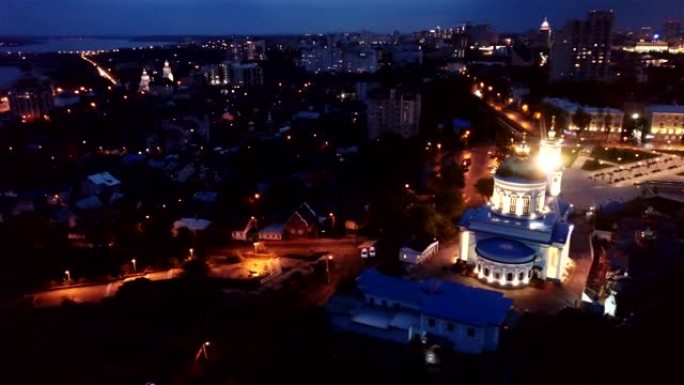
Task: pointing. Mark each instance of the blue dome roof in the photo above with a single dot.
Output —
(503, 250)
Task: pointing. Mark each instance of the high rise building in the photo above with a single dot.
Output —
(483, 35)
(459, 41)
(249, 74)
(672, 32)
(581, 50)
(544, 37)
(393, 111)
(31, 103)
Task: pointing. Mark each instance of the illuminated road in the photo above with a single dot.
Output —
(100, 70)
(90, 293)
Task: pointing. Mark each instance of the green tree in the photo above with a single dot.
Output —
(485, 187)
(195, 269)
(581, 119)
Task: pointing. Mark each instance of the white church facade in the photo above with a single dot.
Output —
(523, 231)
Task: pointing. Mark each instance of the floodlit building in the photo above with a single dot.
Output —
(666, 123)
(605, 123)
(522, 232)
(581, 50)
(166, 71)
(400, 310)
(144, 81)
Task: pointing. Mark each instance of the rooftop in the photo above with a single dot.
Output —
(667, 108)
(504, 250)
(104, 178)
(441, 299)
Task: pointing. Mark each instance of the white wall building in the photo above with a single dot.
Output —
(523, 231)
(606, 123)
(666, 123)
(396, 309)
(415, 252)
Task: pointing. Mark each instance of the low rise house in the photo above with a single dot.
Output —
(396, 309)
(272, 233)
(304, 222)
(100, 183)
(416, 251)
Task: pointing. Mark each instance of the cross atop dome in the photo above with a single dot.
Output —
(522, 149)
(552, 130)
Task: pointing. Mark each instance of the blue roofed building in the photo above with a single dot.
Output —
(396, 309)
(523, 231)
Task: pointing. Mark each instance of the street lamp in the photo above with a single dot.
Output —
(635, 116)
(192, 253)
(327, 267)
(256, 246)
(68, 274)
(135, 269)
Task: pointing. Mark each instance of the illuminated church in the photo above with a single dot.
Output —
(522, 232)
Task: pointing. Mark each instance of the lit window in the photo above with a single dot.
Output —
(514, 203)
(526, 205)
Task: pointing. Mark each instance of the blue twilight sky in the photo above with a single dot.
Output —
(137, 17)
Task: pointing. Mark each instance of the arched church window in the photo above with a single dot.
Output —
(514, 204)
(540, 202)
(521, 276)
(526, 205)
(509, 277)
(486, 272)
(501, 201)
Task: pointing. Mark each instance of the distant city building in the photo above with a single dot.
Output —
(464, 318)
(581, 50)
(459, 41)
(483, 35)
(166, 71)
(144, 81)
(247, 75)
(651, 46)
(544, 36)
(4, 104)
(360, 60)
(605, 124)
(393, 111)
(672, 32)
(31, 103)
(66, 99)
(666, 123)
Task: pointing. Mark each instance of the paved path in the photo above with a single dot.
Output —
(90, 293)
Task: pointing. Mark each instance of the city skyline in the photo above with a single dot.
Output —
(215, 17)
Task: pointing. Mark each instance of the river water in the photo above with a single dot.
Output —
(80, 44)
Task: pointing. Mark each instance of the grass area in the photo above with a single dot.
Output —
(620, 155)
(594, 165)
(569, 154)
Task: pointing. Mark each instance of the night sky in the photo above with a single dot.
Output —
(139, 17)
